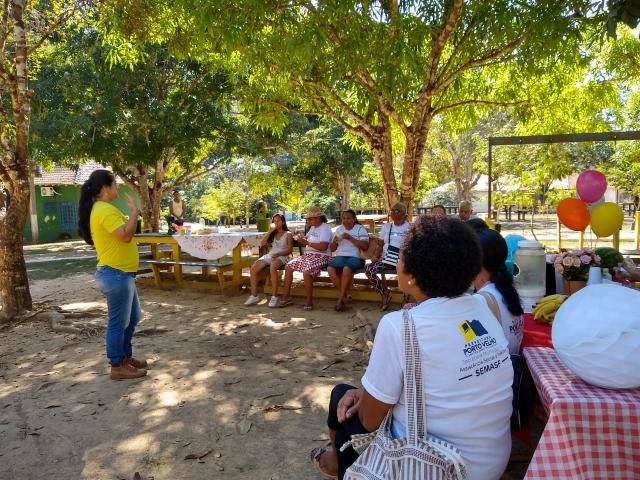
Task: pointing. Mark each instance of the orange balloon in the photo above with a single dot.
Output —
(574, 214)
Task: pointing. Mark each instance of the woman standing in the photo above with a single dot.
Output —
(348, 239)
(282, 244)
(385, 258)
(463, 354)
(495, 281)
(101, 224)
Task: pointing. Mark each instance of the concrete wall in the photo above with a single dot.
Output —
(58, 214)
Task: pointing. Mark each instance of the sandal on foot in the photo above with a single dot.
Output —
(315, 455)
(386, 300)
(285, 302)
(308, 308)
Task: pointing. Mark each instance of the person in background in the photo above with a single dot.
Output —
(101, 224)
(262, 219)
(458, 337)
(348, 239)
(281, 242)
(494, 280)
(317, 255)
(176, 209)
(391, 235)
(465, 209)
(438, 211)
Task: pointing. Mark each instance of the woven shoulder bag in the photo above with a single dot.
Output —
(417, 456)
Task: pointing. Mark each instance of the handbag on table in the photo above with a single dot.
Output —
(416, 456)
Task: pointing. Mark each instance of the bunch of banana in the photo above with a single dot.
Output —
(545, 310)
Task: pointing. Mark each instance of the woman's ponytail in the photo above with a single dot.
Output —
(88, 193)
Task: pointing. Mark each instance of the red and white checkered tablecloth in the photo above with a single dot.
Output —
(591, 432)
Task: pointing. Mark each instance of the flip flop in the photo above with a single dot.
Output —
(315, 455)
(386, 300)
(339, 307)
(308, 308)
(285, 303)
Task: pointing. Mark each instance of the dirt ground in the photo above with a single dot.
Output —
(233, 392)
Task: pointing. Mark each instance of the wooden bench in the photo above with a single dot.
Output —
(161, 264)
(361, 288)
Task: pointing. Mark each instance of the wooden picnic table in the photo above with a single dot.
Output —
(206, 251)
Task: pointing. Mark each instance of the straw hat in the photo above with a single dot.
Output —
(314, 212)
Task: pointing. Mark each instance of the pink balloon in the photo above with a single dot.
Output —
(591, 185)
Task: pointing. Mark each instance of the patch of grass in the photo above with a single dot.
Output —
(59, 269)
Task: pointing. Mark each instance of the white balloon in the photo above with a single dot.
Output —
(596, 334)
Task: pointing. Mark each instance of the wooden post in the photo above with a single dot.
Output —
(638, 230)
(558, 232)
(581, 241)
(616, 240)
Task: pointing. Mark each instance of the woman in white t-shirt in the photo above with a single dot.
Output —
(316, 256)
(348, 239)
(494, 279)
(463, 352)
(389, 241)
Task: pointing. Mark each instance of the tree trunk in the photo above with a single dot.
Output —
(15, 296)
(411, 164)
(382, 151)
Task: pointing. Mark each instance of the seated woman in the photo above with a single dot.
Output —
(495, 281)
(348, 239)
(389, 243)
(463, 352)
(316, 257)
(282, 245)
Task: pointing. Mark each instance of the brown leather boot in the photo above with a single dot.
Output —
(137, 363)
(124, 371)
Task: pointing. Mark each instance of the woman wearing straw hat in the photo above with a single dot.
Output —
(317, 255)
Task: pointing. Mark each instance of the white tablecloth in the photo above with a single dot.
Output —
(216, 245)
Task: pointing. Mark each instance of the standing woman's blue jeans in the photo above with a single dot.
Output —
(123, 311)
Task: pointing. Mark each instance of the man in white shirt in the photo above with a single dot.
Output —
(176, 209)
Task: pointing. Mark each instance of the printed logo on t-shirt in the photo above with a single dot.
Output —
(472, 329)
(481, 351)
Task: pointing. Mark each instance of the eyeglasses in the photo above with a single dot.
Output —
(396, 210)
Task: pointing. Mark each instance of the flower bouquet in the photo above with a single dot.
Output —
(575, 264)
(574, 267)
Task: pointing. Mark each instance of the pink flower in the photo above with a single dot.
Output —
(576, 262)
(560, 269)
(567, 261)
(585, 259)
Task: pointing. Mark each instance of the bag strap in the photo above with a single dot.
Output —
(493, 305)
(413, 382)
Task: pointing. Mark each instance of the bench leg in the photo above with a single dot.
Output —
(157, 275)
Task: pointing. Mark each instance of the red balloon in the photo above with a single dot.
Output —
(591, 185)
(574, 214)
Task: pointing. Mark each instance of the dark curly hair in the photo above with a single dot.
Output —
(442, 254)
(494, 255)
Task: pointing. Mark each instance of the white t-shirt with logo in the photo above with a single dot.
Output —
(346, 248)
(319, 234)
(513, 325)
(392, 234)
(467, 377)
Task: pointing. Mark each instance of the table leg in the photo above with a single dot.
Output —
(236, 257)
(175, 256)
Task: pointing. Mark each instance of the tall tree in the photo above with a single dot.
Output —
(375, 67)
(24, 31)
(158, 125)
